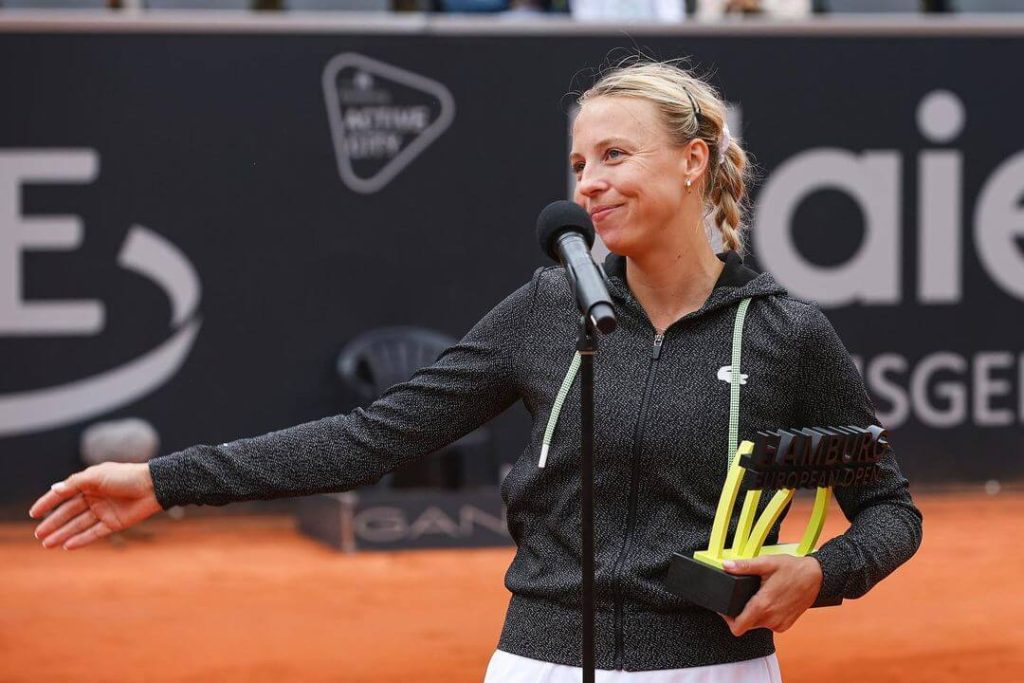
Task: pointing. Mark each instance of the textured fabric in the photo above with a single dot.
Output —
(509, 668)
(660, 458)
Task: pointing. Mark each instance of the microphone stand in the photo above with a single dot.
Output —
(586, 344)
(566, 234)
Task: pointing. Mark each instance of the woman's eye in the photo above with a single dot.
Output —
(614, 153)
(577, 167)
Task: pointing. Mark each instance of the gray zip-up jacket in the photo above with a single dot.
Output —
(661, 457)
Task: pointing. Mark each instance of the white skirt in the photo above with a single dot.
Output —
(509, 668)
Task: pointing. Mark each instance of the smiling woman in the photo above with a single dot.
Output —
(654, 161)
(671, 110)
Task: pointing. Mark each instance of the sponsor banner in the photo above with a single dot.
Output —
(189, 236)
(405, 519)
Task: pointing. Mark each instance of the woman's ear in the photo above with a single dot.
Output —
(695, 160)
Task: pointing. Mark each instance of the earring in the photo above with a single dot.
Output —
(689, 182)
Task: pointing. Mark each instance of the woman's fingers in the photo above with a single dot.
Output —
(93, 533)
(77, 525)
(62, 515)
(110, 497)
(58, 493)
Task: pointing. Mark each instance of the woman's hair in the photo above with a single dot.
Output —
(675, 92)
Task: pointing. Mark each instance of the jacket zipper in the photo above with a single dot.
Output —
(634, 485)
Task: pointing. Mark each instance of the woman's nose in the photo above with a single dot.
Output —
(590, 183)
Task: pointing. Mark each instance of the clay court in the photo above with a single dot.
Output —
(230, 598)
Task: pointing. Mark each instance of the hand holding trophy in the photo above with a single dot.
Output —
(785, 460)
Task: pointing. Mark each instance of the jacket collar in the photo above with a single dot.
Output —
(734, 274)
(736, 282)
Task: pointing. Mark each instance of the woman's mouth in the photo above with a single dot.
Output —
(602, 212)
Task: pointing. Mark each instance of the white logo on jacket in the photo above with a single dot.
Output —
(725, 374)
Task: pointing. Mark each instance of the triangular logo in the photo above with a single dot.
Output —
(381, 118)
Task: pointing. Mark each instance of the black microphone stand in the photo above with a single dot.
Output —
(586, 344)
(566, 234)
(600, 318)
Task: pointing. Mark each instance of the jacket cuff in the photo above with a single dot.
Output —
(833, 570)
(169, 472)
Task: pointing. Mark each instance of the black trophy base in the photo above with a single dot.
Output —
(715, 589)
(709, 587)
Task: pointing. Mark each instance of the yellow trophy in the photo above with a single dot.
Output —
(783, 460)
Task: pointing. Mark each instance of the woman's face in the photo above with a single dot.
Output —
(630, 176)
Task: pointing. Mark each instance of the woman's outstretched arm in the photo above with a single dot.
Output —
(470, 383)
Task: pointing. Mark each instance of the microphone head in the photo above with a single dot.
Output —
(561, 217)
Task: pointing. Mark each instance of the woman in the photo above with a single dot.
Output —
(653, 159)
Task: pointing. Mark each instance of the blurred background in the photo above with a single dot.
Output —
(223, 217)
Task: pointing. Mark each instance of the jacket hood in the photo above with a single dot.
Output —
(736, 282)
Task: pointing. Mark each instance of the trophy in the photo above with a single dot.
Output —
(782, 460)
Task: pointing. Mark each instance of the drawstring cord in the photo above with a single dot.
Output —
(556, 409)
(734, 380)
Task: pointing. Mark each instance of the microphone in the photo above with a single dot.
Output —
(566, 234)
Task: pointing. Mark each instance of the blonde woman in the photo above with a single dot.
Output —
(654, 164)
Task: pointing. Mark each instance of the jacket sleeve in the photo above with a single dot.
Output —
(470, 383)
(885, 525)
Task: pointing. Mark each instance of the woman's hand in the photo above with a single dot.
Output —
(789, 585)
(95, 503)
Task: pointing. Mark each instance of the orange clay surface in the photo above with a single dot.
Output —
(228, 598)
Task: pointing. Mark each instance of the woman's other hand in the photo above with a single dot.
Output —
(95, 503)
(789, 585)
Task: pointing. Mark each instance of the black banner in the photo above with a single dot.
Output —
(193, 224)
